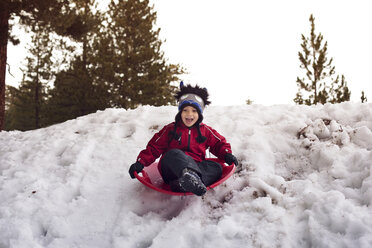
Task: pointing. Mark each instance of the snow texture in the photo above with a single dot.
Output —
(304, 181)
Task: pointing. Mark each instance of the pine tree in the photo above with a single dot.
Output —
(339, 92)
(129, 57)
(57, 15)
(363, 98)
(75, 92)
(315, 87)
(9, 100)
(28, 103)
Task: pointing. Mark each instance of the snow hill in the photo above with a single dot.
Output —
(305, 181)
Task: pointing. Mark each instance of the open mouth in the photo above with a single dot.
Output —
(189, 120)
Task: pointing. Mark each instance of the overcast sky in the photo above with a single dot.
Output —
(243, 49)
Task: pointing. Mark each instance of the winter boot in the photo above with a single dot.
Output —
(175, 186)
(191, 182)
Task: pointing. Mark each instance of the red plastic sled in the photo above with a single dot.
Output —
(151, 178)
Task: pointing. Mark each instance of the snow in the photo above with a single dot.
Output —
(304, 181)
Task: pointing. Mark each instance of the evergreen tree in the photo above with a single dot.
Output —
(57, 15)
(363, 98)
(318, 72)
(129, 57)
(27, 108)
(9, 100)
(339, 92)
(75, 92)
(22, 108)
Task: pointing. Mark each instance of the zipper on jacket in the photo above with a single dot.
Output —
(188, 142)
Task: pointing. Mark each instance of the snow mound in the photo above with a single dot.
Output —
(304, 180)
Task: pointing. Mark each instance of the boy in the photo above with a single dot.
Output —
(182, 145)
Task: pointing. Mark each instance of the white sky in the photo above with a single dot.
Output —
(243, 49)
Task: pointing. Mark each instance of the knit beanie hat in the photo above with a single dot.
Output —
(196, 97)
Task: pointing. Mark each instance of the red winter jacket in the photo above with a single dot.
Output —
(160, 143)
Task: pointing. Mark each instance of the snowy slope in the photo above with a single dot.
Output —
(305, 181)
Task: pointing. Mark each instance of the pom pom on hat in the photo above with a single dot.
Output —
(192, 96)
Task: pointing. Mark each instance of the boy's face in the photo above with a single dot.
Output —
(189, 116)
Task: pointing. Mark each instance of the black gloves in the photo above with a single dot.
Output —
(137, 166)
(229, 159)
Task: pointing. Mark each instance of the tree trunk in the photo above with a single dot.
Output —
(37, 99)
(4, 29)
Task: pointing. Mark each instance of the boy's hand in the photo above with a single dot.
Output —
(136, 167)
(229, 159)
